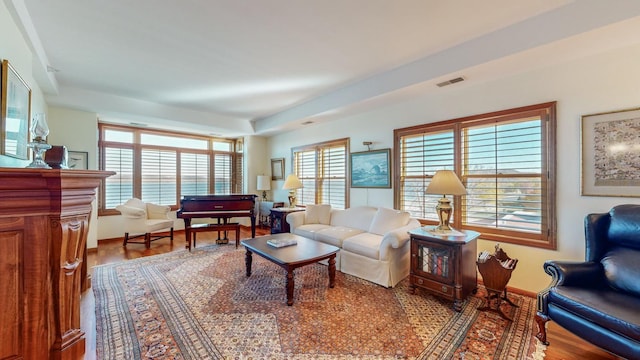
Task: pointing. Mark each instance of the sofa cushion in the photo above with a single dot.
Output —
(310, 230)
(607, 308)
(365, 244)
(157, 211)
(154, 225)
(625, 225)
(388, 219)
(622, 269)
(136, 203)
(358, 217)
(334, 235)
(317, 214)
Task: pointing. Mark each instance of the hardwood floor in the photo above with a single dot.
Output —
(563, 344)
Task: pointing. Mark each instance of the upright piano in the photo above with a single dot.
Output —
(221, 207)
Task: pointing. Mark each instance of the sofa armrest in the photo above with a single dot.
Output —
(396, 238)
(132, 212)
(569, 273)
(295, 219)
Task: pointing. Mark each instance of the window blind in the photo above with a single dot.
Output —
(119, 187)
(222, 172)
(160, 167)
(421, 155)
(322, 169)
(502, 165)
(159, 176)
(194, 174)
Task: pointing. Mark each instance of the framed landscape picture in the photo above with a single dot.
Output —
(16, 112)
(371, 169)
(611, 154)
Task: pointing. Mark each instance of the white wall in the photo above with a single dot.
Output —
(600, 83)
(75, 129)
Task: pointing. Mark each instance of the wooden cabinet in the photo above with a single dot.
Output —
(264, 213)
(279, 222)
(44, 221)
(444, 265)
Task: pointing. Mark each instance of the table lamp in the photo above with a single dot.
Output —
(264, 184)
(292, 183)
(445, 182)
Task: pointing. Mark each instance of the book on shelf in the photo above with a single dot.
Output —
(281, 242)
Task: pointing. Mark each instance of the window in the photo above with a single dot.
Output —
(195, 173)
(322, 169)
(161, 167)
(119, 187)
(506, 160)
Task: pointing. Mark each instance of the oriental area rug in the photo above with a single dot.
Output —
(201, 305)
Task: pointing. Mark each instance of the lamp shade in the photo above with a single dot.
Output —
(264, 182)
(446, 182)
(292, 182)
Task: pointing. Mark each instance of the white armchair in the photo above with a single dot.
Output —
(143, 219)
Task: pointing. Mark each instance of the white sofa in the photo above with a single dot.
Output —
(374, 242)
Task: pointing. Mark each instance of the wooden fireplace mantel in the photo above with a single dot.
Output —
(44, 222)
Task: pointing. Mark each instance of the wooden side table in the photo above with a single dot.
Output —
(444, 265)
(264, 213)
(279, 223)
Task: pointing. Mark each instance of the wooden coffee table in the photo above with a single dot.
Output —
(305, 252)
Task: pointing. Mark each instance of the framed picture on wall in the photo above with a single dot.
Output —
(277, 169)
(78, 160)
(371, 169)
(16, 112)
(610, 154)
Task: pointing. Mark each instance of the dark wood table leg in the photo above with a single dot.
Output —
(187, 233)
(332, 271)
(290, 286)
(247, 262)
(253, 226)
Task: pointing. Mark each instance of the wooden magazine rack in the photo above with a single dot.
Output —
(496, 271)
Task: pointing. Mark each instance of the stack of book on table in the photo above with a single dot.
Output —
(282, 242)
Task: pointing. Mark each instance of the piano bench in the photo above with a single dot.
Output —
(196, 228)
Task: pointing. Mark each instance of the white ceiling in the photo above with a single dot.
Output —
(242, 67)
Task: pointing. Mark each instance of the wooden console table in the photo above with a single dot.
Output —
(44, 222)
(444, 265)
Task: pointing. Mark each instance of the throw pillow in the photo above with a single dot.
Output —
(388, 219)
(317, 214)
(157, 211)
(621, 270)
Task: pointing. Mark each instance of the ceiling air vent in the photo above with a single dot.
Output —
(452, 81)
